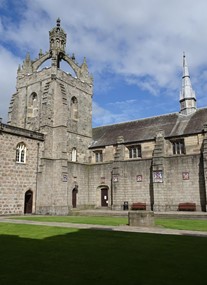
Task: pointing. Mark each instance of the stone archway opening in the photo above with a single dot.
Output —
(28, 201)
(102, 196)
(74, 197)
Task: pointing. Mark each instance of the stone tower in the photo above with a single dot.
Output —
(58, 105)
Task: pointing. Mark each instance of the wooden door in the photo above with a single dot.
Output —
(28, 202)
(104, 197)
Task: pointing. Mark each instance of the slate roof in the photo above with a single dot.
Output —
(173, 125)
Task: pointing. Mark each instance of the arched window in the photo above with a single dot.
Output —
(21, 153)
(33, 105)
(74, 154)
(33, 100)
(74, 108)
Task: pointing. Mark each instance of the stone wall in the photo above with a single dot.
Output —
(100, 176)
(182, 182)
(132, 181)
(52, 192)
(17, 178)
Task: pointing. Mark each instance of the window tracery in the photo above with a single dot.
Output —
(21, 153)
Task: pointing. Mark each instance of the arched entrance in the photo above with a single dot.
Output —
(28, 197)
(104, 197)
(74, 197)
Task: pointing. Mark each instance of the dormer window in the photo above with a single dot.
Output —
(98, 155)
(178, 146)
(135, 151)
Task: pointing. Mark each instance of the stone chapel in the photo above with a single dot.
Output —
(53, 161)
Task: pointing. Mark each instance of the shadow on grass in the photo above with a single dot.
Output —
(102, 257)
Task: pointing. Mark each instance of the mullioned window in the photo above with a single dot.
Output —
(21, 153)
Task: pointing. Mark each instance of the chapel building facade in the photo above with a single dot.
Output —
(53, 161)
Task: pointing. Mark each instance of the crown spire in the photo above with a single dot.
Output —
(187, 94)
(58, 22)
(57, 43)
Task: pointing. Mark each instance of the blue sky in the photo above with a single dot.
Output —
(133, 48)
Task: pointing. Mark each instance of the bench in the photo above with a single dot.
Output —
(138, 206)
(187, 207)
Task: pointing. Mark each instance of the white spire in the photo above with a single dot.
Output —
(185, 66)
(187, 94)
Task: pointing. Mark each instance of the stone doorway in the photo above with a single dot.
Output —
(104, 197)
(74, 197)
(28, 199)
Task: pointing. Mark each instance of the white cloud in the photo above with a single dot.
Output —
(102, 116)
(141, 40)
(9, 64)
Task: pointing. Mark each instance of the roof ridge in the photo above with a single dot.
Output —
(141, 119)
(153, 117)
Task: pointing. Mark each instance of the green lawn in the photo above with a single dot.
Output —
(92, 220)
(43, 255)
(194, 225)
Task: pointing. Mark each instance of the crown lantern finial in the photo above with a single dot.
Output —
(58, 22)
(57, 43)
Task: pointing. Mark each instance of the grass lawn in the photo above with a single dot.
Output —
(194, 225)
(43, 255)
(92, 220)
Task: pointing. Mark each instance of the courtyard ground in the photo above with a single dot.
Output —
(59, 253)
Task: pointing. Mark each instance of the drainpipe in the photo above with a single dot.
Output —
(111, 189)
(38, 148)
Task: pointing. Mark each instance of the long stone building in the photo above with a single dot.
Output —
(53, 161)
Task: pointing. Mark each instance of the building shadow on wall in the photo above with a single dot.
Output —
(202, 187)
(151, 190)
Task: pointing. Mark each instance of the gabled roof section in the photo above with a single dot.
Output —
(173, 125)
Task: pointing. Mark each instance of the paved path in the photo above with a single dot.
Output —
(124, 228)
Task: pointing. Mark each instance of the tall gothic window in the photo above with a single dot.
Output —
(21, 153)
(33, 105)
(33, 99)
(135, 151)
(74, 154)
(74, 108)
